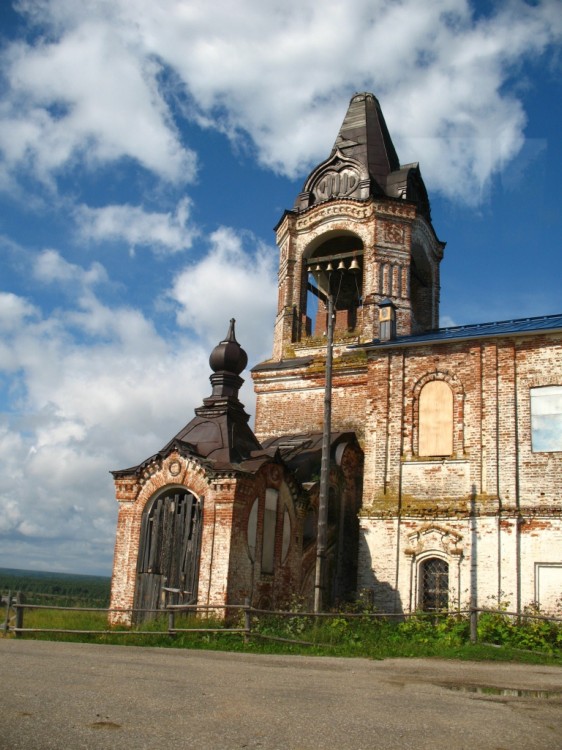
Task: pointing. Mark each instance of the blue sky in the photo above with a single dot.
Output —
(146, 152)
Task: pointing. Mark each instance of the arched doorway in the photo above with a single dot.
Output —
(434, 585)
(169, 549)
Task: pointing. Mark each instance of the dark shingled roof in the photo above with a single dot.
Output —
(219, 435)
(364, 137)
(521, 327)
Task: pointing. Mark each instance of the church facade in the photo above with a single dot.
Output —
(446, 458)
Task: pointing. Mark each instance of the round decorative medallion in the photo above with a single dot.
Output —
(274, 473)
(175, 468)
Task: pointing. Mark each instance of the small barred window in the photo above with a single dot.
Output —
(434, 585)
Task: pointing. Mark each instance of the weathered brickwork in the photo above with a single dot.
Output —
(389, 234)
(491, 559)
(505, 500)
(293, 400)
(132, 494)
(491, 385)
(491, 491)
(227, 574)
(502, 499)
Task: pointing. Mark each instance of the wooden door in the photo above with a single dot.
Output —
(169, 550)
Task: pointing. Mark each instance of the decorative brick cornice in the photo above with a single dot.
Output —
(341, 209)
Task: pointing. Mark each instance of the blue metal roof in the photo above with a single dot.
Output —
(522, 326)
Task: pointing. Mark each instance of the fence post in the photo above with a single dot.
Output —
(171, 623)
(19, 612)
(8, 605)
(473, 624)
(247, 620)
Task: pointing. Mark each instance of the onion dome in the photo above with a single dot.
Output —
(228, 355)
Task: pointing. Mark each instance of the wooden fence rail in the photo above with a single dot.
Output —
(251, 615)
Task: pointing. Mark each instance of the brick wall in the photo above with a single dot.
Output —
(226, 573)
(292, 400)
(488, 559)
(492, 478)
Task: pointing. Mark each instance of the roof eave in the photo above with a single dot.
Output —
(397, 344)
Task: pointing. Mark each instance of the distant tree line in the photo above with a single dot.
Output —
(59, 589)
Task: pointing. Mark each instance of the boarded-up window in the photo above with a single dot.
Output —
(436, 419)
(546, 418)
(252, 530)
(269, 524)
(548, 585)
(286, 535)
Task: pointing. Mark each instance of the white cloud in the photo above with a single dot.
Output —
(98, 388)
(231, 281)
(14, 310)
(279, 72)
(162, 232)
(51, 267)
(93, 387)
(92, 95)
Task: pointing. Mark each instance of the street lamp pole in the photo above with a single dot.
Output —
(322, 533)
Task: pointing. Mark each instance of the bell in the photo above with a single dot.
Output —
(329, 268)
(318, 268)
(354, 265)
(341, 266)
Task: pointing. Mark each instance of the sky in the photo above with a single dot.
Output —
(148, 149)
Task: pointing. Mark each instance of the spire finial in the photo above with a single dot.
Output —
(231, 336)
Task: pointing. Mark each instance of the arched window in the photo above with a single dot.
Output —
(434, 585)
(421, 291)
(436, 419)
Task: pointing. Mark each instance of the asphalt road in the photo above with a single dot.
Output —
(74, 696)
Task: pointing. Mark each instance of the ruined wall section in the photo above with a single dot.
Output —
(491, 560)
(247, 580)
(492, 460)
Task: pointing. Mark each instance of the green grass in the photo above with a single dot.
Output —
(447, 637)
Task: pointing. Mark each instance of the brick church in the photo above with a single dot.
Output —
(445, 471)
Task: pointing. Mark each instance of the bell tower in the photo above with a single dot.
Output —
(361, 227)
(360, 236)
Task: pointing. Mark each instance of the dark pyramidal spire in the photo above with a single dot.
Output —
(364, 137)
(363, 163)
